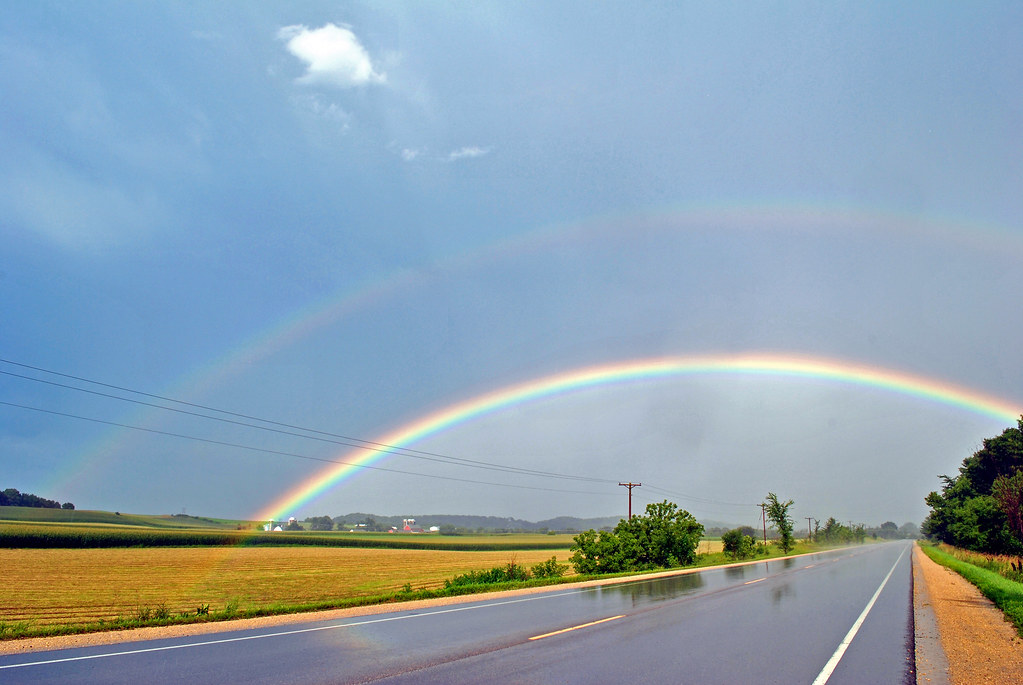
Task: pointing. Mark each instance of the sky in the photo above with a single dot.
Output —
(289, 222)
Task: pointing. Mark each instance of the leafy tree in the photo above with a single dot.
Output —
(665, 536)
(320, 523)
(67, 505)
(1008, 492)
(967, 512)
(738, 545)
(889, 531)
(909, 530)
(778, 513)
(12, 498)
(594, 553)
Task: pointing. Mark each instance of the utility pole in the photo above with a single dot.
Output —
(809, 530)
(763, 515)
(630, 485)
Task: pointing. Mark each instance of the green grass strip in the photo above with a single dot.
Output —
(1006, 594)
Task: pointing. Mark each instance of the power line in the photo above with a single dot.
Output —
(694, 498)
(333, 438)
(294, 455)
(280, 427)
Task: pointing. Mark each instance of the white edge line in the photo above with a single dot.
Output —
(297, 631)
(829, 667)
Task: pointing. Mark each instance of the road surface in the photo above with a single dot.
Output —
(836, 617)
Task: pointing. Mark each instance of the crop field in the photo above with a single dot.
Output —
(45, 534)
(77, 586)
(709, 547)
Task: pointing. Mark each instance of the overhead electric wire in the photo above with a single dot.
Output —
(694, 498)
(333, 438)
(265, 450)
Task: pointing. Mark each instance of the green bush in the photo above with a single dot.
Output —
(549, 569)
(508, 573)
(738, 545)
(665, 537)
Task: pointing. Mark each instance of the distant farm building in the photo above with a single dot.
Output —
(407, 526)
(269, 527)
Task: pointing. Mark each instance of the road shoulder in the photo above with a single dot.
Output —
(977, 643)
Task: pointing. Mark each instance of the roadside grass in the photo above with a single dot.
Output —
(771, 551)
(1008, 567)
(1006, 594)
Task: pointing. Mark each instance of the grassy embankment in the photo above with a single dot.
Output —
(993, 575)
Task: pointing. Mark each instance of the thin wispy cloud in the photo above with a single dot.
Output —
(329, 111)
(333, 55)
(467, 153)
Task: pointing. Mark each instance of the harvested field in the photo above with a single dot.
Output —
(710, 547)
(76, 586)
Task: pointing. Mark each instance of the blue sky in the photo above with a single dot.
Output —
(457, 197)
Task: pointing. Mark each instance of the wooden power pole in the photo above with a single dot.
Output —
(763, 515)
(630, 485)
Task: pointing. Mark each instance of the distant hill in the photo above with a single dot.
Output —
(487, 523)
(500, 524)
(51, 515)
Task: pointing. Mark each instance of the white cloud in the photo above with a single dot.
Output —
(333, 56)
(467, 152)
(409, 154)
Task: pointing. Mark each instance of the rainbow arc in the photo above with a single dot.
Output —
(641, 370)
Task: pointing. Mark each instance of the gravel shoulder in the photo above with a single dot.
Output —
(979, 644)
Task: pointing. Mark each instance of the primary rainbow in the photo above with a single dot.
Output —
(788, 366)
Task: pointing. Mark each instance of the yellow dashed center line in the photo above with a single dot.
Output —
(584, 625)
(750, 582)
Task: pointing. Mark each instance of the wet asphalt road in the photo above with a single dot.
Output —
(770, 622)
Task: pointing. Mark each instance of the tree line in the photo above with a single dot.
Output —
(981, 508)
(12, 498)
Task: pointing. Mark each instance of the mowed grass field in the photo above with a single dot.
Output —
(79, 586)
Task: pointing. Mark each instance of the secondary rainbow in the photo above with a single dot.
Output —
(736, 214)
(789, 366)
